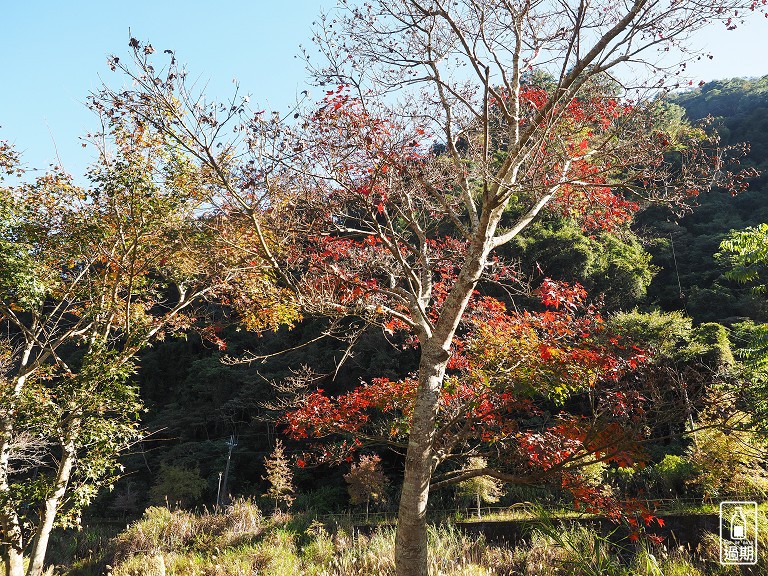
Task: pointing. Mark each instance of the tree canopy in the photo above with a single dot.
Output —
(469, 169)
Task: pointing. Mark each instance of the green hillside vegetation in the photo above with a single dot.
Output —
(196, 402)
(691, 278)
(665, 283)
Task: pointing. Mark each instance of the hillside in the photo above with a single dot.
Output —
(690, 278)
(196, 403)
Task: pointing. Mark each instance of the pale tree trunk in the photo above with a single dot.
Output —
(411, 539)
(411, 554)
(13, 557)
(51, 506)
(10, 527)
(477, 494)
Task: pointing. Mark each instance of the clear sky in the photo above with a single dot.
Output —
(53, 53)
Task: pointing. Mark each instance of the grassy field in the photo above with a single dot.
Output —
(240, 541)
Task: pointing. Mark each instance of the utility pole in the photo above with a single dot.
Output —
(225, 496)
(218, 493)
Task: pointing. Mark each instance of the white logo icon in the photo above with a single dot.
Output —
(738, 524)
(738, 533)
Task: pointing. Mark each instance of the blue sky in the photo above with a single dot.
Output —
(54, 53)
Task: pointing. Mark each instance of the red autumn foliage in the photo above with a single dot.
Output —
(356, 212)
(509, 380)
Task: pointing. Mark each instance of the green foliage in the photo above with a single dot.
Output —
(27, 275)
(480, 488)
(725, 98)
(672, 473)
(664, 332)
(21, 278)
(751, 341)
(103, 407)
(710, 344)
(177, 486)
(747, 252)
(671, 118)
(87, 278)
(727, 463)
(684, 249)
(671, 336)
(613, 265)
(107, 400)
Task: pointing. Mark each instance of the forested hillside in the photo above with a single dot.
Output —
(666, 262)
(560, 304)
(690, 278)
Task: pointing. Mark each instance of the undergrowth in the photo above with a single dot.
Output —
(241, 541)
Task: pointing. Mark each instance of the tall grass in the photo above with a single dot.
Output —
(240, 541)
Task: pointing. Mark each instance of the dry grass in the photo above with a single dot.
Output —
(240, 541)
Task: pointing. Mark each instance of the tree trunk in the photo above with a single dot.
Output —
(411, 554)
(411, 539)
(51, 507)
(10, 528)
(367, 505)
(13, 555)
(478, 505)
